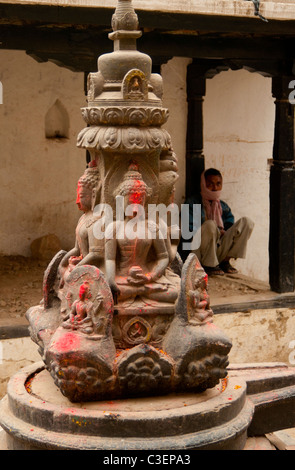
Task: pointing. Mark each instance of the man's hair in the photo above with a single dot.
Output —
(212, 172)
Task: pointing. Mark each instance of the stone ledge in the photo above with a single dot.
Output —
(271, 389)
(3, 444)
(259, 443)
(18, 327)
(283, 440)
(14, 328)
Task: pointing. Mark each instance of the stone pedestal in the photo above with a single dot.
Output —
(35, 416)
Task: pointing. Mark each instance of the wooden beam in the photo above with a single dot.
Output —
(79, 49)
(216, 46)
(167, 20)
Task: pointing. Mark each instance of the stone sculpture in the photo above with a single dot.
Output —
(120, 316)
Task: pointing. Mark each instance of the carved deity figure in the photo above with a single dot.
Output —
(200, 300)
(136, 260)
(135, 86)
(83, 313)
(87, 249)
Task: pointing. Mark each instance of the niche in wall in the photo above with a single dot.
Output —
(57, 122)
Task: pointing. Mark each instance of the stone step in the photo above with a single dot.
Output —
(258, 443)
(283, 440)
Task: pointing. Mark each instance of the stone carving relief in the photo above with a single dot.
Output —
(125, 116)
(135, 86)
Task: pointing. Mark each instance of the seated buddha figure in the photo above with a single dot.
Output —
(136, 255)
(84, 313)
(87, 249)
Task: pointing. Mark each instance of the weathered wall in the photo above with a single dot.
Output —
(15, 354)
(174, 98)
(260, 335)
(239, 115)
(38, 175)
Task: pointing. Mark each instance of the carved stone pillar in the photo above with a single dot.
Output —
(196, 90)
(282, 194)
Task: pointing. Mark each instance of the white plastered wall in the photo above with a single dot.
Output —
(239, 116)
(175, 99)
(38, 176)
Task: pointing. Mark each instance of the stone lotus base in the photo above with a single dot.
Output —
(35, 415)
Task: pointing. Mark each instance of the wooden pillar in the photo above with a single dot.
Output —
(282, 193)
(196, 90)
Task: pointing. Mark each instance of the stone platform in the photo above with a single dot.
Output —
(35, 415)
(254, 400)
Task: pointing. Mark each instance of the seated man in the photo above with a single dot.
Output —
(221, 237)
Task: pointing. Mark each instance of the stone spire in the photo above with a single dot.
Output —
(125, 57)
(125, 17)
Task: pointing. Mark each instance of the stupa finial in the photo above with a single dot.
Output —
(125, 26)
(124, 17)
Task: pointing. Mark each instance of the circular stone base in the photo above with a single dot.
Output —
(35, 415)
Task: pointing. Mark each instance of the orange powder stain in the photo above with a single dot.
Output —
(67, 342)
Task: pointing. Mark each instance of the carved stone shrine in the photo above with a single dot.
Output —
(121, 318)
